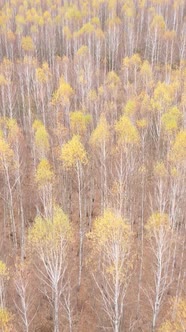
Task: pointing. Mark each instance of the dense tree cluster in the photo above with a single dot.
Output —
(93, 165)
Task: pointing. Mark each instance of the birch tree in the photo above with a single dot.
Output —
(160, 242)
(44, 178)
(25, 302)
(127, 141)
(7, 167)
(99, 140)
(73, 155)
(50, 240)
(111, 242)
(5, 315)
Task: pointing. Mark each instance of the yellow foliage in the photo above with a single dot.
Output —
(174, 172)
(178, 152)
(9, 133)
(146, 69)
(169, 35)
(177, 4)
(82, 51)
(183, 97)
(142, 3)
(29, 60)
(145, 103)
(81, 77)
(27, 43)
(167, 326)
(126, 62)
(158, 23)
(7, 64)
(92, 95)
(3, 270)
(86, 28)
(180, 320)
(79, 122)
(96, 3)
(171, 120)
(112, 79)
(63, 93)
(163, 96)
(135, 60)
(67, 32)
(130, 107)
(20, 20)
(129, 8)
(47, 17)
(156, 222)
(6, 153)
(73, 13)
(3, 20)
(111, 233)
(178, 324)
(109, 228)
(44, 173)
(100, 90)
(13, 130)
(43, 74)
(37, 124)
(126, 131)
(96, 21)
(112, 4)
(47, 233)
(113, 22)
(99, 33)
(32, 15)
(102, 132)
(73, 152)
(41, 138)
(3, 80)
(160, 169)
(5, 319)
(142, 123)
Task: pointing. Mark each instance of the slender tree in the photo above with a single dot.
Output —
(111, 248)
(73, 155)
(50, 239)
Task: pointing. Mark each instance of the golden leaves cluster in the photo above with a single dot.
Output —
(41, 138)
(73, 152)
(48, 233)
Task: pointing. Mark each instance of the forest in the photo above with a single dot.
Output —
(92, 165)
